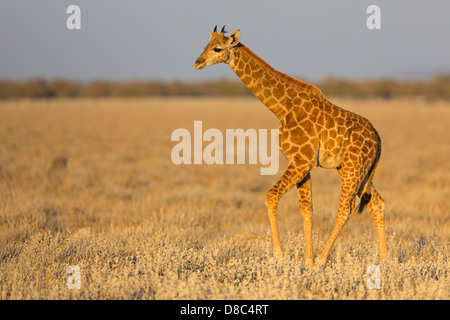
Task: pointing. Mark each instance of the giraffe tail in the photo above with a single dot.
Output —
(365, 199)
(364, 189)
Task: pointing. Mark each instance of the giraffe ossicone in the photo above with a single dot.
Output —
(313, 132)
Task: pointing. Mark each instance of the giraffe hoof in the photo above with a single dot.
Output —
(309, 263)
(278, 253)
(319, 263)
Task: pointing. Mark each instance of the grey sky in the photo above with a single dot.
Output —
(161, 39)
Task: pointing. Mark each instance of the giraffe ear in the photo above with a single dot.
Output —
(235, 38)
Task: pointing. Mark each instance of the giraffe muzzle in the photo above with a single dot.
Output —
(199, 64)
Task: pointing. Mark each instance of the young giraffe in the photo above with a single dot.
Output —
(313, 133)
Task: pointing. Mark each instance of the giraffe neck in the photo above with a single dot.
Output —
(273, 88)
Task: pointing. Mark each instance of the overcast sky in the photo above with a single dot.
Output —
(161, 39)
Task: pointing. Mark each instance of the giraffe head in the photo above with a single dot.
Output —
(218, 49)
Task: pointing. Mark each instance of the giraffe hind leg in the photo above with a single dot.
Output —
(305, 201)
(376, 209)
(345, 210)
(351, 178)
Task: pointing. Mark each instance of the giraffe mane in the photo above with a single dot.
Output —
(283, 76)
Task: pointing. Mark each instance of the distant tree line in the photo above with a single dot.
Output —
(436, 88)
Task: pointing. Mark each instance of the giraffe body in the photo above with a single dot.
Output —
(313, 132)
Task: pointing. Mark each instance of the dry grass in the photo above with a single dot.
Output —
(140, 227)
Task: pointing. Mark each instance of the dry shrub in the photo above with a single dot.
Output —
(140, 227)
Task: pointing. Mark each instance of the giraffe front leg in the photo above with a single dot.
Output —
(293, 174)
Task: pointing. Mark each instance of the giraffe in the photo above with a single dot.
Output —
(313, 132)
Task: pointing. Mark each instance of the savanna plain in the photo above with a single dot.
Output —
(91, 183)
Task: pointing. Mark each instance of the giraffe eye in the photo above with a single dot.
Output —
(217, 49)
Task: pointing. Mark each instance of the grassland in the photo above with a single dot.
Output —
(140, 227)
